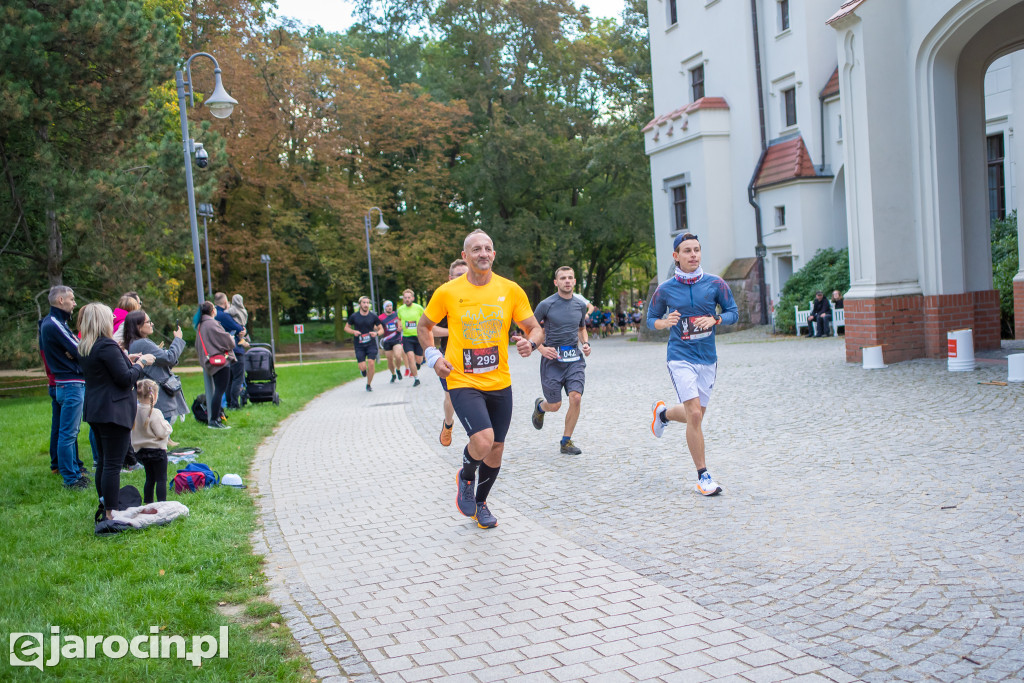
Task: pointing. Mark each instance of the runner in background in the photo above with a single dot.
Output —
(392, 338)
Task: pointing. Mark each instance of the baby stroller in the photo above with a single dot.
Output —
(260, 378)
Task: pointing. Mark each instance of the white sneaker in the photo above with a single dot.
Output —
(706, 486)
(657, 426)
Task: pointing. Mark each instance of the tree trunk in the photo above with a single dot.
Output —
(54, 242)
(339, 318)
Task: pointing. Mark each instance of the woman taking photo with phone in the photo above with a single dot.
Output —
(138, 327)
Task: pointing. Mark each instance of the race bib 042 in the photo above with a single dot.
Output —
(568, 354)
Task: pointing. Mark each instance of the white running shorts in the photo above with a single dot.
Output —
(692, 380)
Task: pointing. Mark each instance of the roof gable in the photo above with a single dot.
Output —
(785, 160)
(832, 87)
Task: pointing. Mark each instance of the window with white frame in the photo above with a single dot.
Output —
(780, 216)
(680, 220)
(673, 13)
(697, 82)
(783, 15)
(789, 106)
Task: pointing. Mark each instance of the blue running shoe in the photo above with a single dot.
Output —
(484, 518)
(465, 499)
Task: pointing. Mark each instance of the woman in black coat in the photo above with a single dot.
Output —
(110, 403)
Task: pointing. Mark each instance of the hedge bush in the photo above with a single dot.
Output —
(829, 269)
(1005, 264)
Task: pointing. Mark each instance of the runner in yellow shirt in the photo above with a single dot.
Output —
(480, 307)
(409, 313)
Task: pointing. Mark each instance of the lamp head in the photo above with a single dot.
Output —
(382, 227)
(220, 103)
(264, 258)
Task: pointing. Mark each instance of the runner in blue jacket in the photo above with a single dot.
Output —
(688, 304)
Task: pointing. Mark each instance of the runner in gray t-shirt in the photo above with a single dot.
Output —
(562, 364)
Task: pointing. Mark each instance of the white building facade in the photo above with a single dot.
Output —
(756, 121)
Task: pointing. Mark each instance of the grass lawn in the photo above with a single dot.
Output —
(181, 578)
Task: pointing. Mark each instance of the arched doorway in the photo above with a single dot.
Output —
(916, 169)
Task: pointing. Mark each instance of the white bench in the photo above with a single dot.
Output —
(838, 318)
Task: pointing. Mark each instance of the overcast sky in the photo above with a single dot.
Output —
(336, 15)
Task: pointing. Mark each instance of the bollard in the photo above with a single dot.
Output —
(1015, 367)
(960, 346)
(872, 358)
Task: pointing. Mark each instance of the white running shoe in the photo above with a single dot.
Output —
(657, 426)
(706, 486)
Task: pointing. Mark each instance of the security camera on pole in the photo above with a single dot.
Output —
(220, 105)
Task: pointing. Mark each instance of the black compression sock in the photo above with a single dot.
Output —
(469, 465)
(363, 373)
(701, 472)
(487, 476)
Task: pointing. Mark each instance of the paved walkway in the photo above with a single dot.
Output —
(870, 528)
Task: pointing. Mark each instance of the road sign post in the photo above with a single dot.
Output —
(298, 333)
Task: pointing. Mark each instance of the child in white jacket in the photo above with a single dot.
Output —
(149, 439)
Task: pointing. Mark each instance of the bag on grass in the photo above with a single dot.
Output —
(188, 481)
(212, 477)
(128, 497)
(199, 409)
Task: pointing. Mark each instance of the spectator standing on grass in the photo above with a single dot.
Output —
(59, 347)
(149, 439)
(110, 405)
(213, 340)
(138, 327)
(129, 301)
(228, 322)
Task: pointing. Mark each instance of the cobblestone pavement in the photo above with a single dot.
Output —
(870, 528)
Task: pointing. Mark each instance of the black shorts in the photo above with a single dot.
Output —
(389, 344)
(412, 345)
(364, 351)
(444, 382)
(480, 410)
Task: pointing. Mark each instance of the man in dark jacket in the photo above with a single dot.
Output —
(237, 370)
(820, 315)
(59, 347)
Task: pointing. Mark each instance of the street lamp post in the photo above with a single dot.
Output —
(206, 211)
(381, 228)
(220, 105)
(265, 259)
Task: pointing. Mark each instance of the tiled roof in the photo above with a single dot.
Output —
(702, 103)
(832, 87)
(847, 8)
(785, 160)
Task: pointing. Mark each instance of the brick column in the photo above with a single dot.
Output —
(916, 326)
(976, 310)
(896, 323)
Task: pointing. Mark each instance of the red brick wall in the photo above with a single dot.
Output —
(1018, 310)
(916, 326)
(896, 323)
